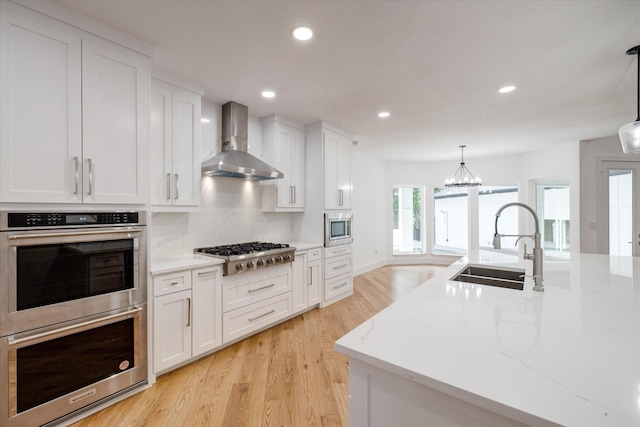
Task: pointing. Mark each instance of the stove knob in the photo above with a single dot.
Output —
(269, 260)
(279, 259)
(260, 263)
(250, 264)
(239, 267)
(287, 257)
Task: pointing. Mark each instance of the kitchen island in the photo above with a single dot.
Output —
(453, 353)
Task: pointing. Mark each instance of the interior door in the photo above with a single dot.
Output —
(619, 207)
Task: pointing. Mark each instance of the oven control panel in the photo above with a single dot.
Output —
(54, 219)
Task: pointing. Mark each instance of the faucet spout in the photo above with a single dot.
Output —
(538, 253)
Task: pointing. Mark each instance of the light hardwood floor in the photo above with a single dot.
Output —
(288, 375)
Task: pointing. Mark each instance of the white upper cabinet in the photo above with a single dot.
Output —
(74, 116)
(283, 147)
(175, 146)
(337, 170)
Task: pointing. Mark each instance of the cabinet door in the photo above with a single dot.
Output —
(115, 99)
(290, 157)
(343, 173)
(172, 329)
(186, 148)
(331, 193)
(40, 96)
(160, 139)
(207, 309)
(299, 273)
(314, 283)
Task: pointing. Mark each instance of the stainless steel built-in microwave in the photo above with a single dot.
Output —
(337, 229)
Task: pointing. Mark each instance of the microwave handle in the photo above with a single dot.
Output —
(74, 233)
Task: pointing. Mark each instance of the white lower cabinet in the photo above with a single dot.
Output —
(187, 315)
(338, 280)
(307, 277)
(256, 300)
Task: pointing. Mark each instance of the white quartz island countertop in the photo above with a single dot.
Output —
(567, 356)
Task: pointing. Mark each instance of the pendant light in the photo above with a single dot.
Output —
(630, 132)
(462, 177)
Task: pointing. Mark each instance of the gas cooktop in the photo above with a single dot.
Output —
(250, 256)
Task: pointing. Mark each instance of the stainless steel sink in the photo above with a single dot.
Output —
(500, 277)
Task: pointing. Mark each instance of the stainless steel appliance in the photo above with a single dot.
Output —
(337, 229)
(73, 325)
(250, 256)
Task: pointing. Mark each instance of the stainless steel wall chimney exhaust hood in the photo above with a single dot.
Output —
(234, 160)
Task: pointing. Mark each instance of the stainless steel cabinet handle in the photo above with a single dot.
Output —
(175, 186)
(341, 285)
(251, 319)
(340, 197)
(90, 164)
(173, 283)
(206, 273)
(294, 194)
(291, 196)
(262, 287)
(340, 266)
(310, 275)
(76, 162)
(168, 186)
(188, 311)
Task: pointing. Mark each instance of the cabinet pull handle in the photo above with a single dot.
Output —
(295, 196)
(335, 251)
(90, 163)
(168, 186)
(76, 174)
(177, 193)
(340, 266)
(173, 283)
(205, 273)
(251, 319)
(291, 194)
(188, 311)
(341, 285)
(310, 276)
(341, 195)
(262, 287)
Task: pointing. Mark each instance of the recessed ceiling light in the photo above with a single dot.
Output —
(204, 120)
(302, 33)
(384, 114)
(507, 89)
(268, 94)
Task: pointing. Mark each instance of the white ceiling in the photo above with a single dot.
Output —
(435, 66)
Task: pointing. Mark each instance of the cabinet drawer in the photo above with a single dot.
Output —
(338, 286)
(241, 291)
(337, 251)
(314, 254)
(336, 266)
(169, 283)
(245, 320)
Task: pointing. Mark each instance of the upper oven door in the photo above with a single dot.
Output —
(58, 275)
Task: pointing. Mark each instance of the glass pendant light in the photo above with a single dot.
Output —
(630, 132)
(462, 177)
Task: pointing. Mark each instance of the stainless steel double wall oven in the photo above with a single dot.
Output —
(73, 300)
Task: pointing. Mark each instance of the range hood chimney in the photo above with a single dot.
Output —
(234, 160)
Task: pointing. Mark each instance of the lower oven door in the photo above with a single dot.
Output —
(53, 372)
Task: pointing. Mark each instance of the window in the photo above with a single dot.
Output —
(490, 199)
(451, 221)
(407, 220)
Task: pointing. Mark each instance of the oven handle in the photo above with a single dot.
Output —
(68, 330)
(73, 233)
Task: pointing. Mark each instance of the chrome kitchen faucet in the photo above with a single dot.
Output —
(538, 254)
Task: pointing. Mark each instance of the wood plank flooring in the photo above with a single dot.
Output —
(288, 375)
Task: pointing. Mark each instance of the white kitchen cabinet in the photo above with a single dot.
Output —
(175, 146)
(337, 170)
(283, 147)
(74, 115)
(338, 270)
(187, 315)
(207, 309)
(314, 276)
(300, 282)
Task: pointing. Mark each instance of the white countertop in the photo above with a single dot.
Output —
(570, 355)
(183, 262)
(303, 246)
